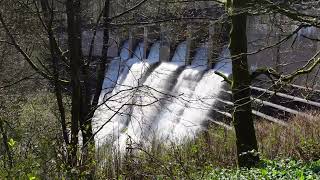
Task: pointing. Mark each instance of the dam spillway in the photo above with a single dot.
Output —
(147, 99)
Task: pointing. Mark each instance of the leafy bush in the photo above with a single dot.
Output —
(281, 169)
(34, 139)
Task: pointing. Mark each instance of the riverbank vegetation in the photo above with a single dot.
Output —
(285, 150)
(288, 152)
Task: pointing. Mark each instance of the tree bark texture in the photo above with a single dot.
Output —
(242, 117)
(74, 44)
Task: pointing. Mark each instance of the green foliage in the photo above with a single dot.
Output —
(34, 138)
(278, 169)
(309, 149)
(11, 142)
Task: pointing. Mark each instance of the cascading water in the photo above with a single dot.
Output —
(182, 92)
(200, 59)
(154, 54)
(203, 99)
(167, 103)
(136, 57)
(200, 105)
(124, 53)
(114, 70)
(179, 56)
(149, 99)
(117, 107)
(224, 64)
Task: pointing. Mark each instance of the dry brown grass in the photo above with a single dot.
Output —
(300, 139)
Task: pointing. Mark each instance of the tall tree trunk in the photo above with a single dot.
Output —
(242, 117)
(74, 44)
(6, 147)
(88, 105)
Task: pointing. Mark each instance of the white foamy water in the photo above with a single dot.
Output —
(203, 99)
(183, 91)
(149, 99)
(114, 70)
(117, 107)
(126, 64)
(175, 106)
(167, 103)
(197, 112)
(148, 103)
